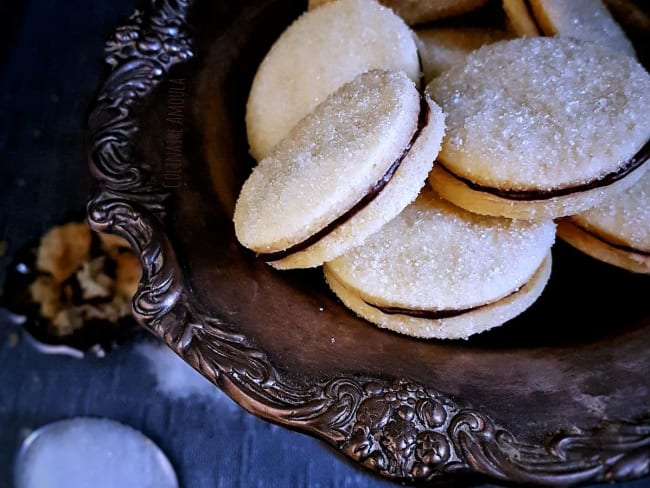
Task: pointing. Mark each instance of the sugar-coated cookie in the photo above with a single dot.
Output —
(588, 20)
(442, 47)
(319, 52)
(617, 231)
(541, 127)
(438, 271)
(345, 170)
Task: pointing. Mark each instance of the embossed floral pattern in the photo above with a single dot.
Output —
(395, 426)
(400, 428)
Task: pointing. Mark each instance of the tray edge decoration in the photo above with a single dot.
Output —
(394, 426)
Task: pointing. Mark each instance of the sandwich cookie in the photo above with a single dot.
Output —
(541, 127)
(588, 20)
(617, 231)
(319, 52)
(442, 47)
(438, 271)
(422, 11)
(343, 172)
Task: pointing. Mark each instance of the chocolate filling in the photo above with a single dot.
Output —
(620, 247)
(530, 195)
(422, 84)
(370, 195)
(434, 314)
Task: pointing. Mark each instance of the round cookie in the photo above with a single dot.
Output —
(345, 170)
(617, 231)
(541, 127)
(442, 47)
(319, 52)
(438, 271)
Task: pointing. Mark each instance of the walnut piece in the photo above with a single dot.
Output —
(79, 281)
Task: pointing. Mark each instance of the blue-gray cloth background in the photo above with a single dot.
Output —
(50, 67)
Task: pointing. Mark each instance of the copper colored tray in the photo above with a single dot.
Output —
(558, 396)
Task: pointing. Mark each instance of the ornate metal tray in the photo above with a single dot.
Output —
(559, 396)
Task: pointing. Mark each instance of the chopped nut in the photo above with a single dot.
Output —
(45, 291)
(76, 286)
(63, 249)
(66, 322)
(94, 282)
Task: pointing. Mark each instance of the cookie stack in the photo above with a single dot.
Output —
(433, 210)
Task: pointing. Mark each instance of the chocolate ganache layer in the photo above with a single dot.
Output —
(436, 314)
(369, 196)
(628, 167)
(601, 238)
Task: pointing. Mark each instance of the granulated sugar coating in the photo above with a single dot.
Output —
(435, 256)
(542, 113)
(437, 271)
(319, 52)
(624, 219)
(331, 160)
